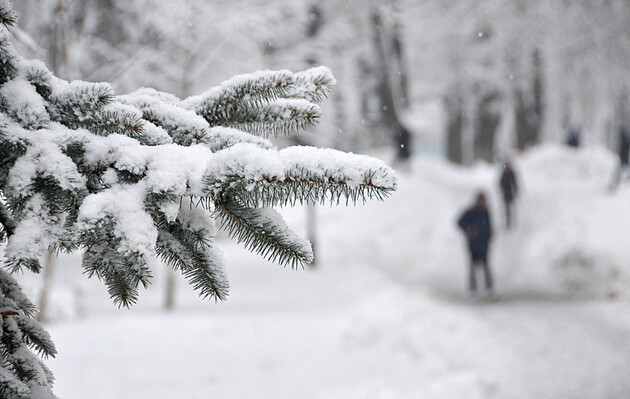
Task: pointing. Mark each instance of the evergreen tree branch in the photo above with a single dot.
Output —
(314, 84)
(22, 373)
(8, 16)
(264, 232)
(41, 78)
(79, 99)
(10, 289)
(71, 181)
(16, 265)
(8, 58)
(184, 126)
(220, 138)
(121, 270)
(10, 151)
(303, 189)
(8, 224)
(104, 262)
(199, 265)
(242, 91)
(280, 117)
(25, 364)
(36, 337)
(188, 250)
(181, 131)
(12, 388)
(59, 199)
(108, 122)
(91, 106)
(298, 175)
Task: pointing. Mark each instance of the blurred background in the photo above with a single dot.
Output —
(446, 92)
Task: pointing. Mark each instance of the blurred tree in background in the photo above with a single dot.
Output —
(481, 78)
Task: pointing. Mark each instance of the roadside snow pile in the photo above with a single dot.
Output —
(575, 227)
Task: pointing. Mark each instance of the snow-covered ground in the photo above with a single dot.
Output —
(385, 314)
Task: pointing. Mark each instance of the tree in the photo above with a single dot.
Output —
(391, 89)
(454, 106)
(127, 177)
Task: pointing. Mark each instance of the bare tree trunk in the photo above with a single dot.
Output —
(529, 108)
(454, 126)
(61, 68)
(49, 269)
(392, 88)
(488, 117)
(169, 297)
(60, 47)
(311, 230)
(316, 18)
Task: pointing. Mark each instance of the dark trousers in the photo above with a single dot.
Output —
(621, 172)
(477, 260)
(509, 208)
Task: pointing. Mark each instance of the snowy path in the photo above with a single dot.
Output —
(385, 314)
(395, 342)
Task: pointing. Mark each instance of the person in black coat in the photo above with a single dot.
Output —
(621, 171)
(475, 222)
(509, 188)
(403, 143)
(574, 136)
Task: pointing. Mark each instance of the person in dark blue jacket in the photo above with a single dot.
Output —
(475, 222)
(574, 136)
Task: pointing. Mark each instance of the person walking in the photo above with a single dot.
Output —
(574, 136)
(623, 150)
(403, 150)
(475, 223)
(509, 189)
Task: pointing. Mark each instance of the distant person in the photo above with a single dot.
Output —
(403, 142)
(509, 189)
(623, 150)
(475, 222)
(574, 136)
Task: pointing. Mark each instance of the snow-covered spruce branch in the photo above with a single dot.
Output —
(22, 373)
(201, 267)
(81, 168)
(8, 57)
(220, 138)
(8, 16)
(247, 90)
(263, 231)
(110, 121)
(185, 244)
(6, 223)
(300, 175)
(183, 126)
(73, 100)
(121, 272)
(283, 116)
(305, 189)
(314, 84)
(182, 132)
(40, 77)
(251, 106)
